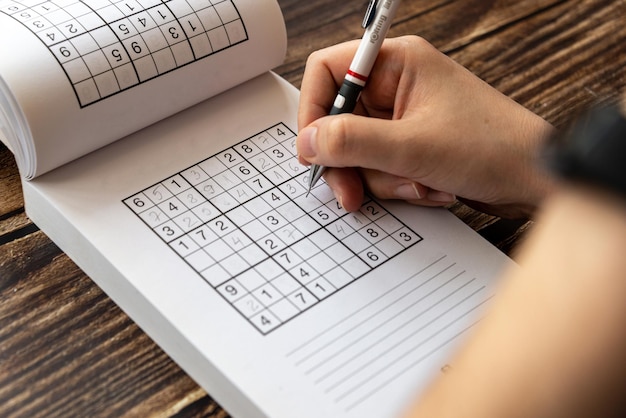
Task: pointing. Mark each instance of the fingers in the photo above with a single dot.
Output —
(347, 185)
(386, 186)
(324, 72)
(354, 141)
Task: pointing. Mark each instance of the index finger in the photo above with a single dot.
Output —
(324, 72)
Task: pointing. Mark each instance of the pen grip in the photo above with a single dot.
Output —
(346, 99)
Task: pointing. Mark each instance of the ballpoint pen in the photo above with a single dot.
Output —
(378, 18)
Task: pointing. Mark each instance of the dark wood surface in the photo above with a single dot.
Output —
(67, 350)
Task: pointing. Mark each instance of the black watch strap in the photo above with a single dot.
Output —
(593, 150)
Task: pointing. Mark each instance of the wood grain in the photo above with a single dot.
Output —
(67, 350)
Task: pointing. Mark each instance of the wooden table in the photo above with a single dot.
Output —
(67, 350)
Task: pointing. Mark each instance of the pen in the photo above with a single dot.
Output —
(376, 23)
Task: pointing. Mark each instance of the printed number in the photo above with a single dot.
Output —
(136, 47)
(286, 257)
(372, 210)
(138, 202)
(247, 149)
(117, 55)
(232, 290)
(124, 28)
(320, 287)
(258, 183)
(323, 215)
(201, 233)
(65, 52)
(372, 256)
(173, 32)
(168, 231)
(229, 157)
(373, 233)
(406, 237)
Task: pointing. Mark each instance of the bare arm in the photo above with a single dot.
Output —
(554, 343)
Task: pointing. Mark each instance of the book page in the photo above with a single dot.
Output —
(280, 305)
(76, 75)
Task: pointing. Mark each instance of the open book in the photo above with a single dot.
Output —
(157, 150)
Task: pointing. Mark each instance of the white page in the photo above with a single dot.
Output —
(364, 351)
(77, 75)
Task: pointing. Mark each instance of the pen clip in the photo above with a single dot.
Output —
(369, 14)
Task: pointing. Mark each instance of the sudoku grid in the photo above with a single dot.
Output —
(108, 46)
(243, 221)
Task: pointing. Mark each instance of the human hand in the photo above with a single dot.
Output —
(425, 130)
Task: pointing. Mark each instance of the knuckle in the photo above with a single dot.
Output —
(337, 135)
(313, 58)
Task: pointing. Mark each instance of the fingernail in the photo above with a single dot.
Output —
(306, 142)
(442, 197)
(408, 191)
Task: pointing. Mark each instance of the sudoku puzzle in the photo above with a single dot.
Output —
(243, 221)
(108, 46)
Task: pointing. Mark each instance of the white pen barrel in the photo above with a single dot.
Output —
(372, 41)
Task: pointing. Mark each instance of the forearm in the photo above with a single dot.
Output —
(553, 344)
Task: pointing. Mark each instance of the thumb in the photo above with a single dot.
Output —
(347, 140)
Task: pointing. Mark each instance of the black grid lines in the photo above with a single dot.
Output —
(243, 221)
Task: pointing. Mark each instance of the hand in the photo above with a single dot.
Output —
(425, 130)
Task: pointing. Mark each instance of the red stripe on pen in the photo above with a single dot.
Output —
(357, 75)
